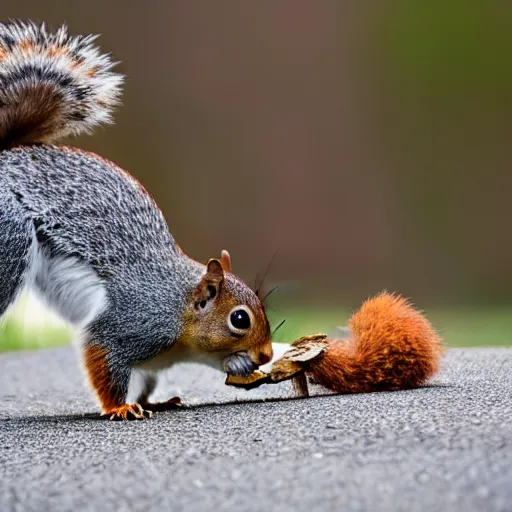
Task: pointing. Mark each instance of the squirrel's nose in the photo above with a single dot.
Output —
(261, 354)
(264, 358)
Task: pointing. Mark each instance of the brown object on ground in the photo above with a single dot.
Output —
(292, 365)
(254, 380)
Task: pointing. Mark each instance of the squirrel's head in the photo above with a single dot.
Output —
(224, 316)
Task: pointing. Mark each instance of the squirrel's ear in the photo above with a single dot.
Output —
(210, 284)
(214, 270)
(225, 261)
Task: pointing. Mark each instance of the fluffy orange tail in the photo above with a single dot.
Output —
(393, 347)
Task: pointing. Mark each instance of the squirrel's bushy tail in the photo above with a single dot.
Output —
(52, 85)
(393, 347)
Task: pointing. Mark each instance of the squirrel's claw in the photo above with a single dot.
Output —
(138, 411)
(129, 412)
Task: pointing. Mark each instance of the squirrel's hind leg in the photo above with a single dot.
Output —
(149, 385)
(110, 380)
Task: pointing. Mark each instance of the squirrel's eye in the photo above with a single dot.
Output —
(239, 320)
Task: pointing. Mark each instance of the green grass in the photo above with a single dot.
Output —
(14, 336)
(29, 327)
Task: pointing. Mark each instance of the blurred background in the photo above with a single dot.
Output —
(364, 144)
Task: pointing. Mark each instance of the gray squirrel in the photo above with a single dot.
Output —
(91, 242)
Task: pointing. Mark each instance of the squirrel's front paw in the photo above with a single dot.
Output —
(128, 412)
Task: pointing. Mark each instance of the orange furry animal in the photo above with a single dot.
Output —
(393, 346)
(390, 346)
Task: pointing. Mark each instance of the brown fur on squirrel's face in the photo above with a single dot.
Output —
(225, 316)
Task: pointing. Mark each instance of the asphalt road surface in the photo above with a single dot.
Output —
(444, 447)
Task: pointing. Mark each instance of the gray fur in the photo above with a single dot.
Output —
(90, 219)
(15, 248)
